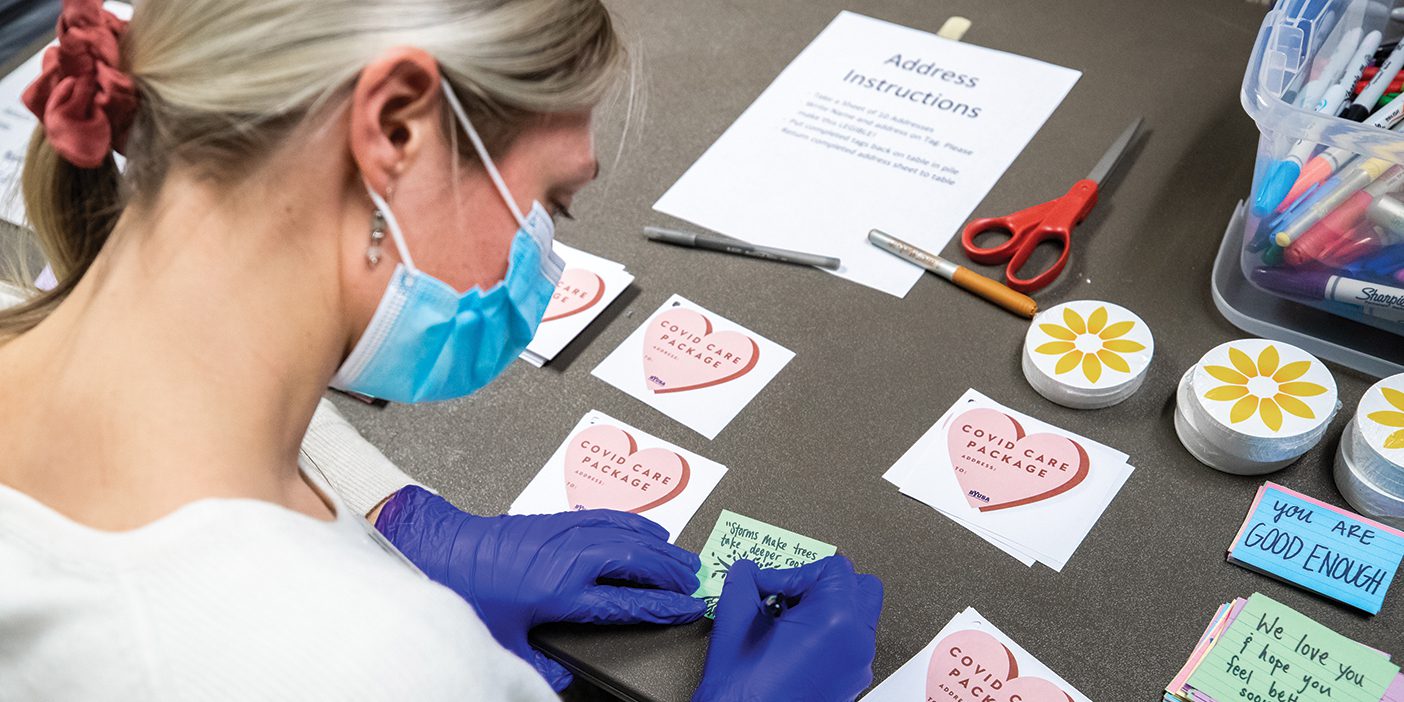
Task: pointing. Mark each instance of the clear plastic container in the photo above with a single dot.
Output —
(1325, 220)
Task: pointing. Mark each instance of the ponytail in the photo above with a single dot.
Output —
(72, 211)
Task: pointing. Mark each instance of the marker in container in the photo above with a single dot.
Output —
(1332, 159)
(1316, 95)
(1351, 182)
(1340, 222)
(1360, 109)
(1387, 212)
(963, 277)
(1371, 299)
(1346, 48)
(740, 248)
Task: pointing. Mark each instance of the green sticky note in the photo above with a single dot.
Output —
(1274, 653)
(736, 537)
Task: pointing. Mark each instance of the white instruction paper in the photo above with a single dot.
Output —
(873, 125)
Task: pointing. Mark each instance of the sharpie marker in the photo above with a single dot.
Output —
(1332, 159)
(1335, 67)
(1284, 173)
(740, 248)
(1350, 183)
(963, 277)
(1385, 264)
(1341, 223)
(1336, 96)
(1373, 300)
(1360, 109)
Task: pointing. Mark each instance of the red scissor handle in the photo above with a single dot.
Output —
(1051, 221)
(1018, 225)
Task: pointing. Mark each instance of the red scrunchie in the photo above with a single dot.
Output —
(82, 98)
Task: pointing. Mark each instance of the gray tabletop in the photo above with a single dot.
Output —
(872, 372)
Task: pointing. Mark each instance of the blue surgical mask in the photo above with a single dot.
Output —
(429, 342)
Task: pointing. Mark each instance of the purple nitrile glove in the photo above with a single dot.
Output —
(818, 649)
(521, 571)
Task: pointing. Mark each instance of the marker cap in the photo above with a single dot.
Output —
(1278, 183)
(1325, 235)
(1356, 112)
(1299, 284)
(1315, 171)
(1387, 212)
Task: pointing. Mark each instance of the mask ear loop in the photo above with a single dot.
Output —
(478, 146)
(393, 224)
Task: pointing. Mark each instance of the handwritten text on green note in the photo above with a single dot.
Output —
(736, 537)
(1272, 653)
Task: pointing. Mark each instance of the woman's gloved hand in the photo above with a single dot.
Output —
(819, 649)
(521, 571)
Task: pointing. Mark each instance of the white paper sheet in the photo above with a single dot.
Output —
(605, 463)
(873, 125)
(694, 365)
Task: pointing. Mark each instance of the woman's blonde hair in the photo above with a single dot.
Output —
(223, 83)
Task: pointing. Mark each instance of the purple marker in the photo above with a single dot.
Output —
(1373, 300)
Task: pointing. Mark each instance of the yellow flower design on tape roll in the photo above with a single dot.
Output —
(1265, 387)
(1393, 418)
(1089, 344)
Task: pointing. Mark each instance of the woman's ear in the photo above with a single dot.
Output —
(394, 105)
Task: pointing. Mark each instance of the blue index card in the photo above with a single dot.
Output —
(1322, 548)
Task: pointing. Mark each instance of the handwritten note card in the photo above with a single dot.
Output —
(1273, 653)
(737, 537)
(1319, 547)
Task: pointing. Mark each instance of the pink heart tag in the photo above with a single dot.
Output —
(681, 353)
(579, 290)
(998, 467)
(972, 666)
(605, 470)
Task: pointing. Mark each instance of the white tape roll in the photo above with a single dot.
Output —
(1254, 406)
(1364, 496)
(1087, 354)
(1370, 460)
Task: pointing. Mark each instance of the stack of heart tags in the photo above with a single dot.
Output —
(1087, 354)
(587, 286)
(972, 661)
(607, 464)
(1029, 488)
(1253, 406)
(1370, 460)
(694, 365)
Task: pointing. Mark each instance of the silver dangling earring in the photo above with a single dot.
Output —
(377, 236)
(375, 251)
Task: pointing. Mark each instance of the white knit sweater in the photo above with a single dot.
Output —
(239, 599)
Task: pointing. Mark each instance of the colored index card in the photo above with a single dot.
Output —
(1273, 652)
(1319, 547)
(736, 537)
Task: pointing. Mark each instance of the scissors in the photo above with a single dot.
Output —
(1051, 221)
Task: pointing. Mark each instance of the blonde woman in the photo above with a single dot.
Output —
(309, 187)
